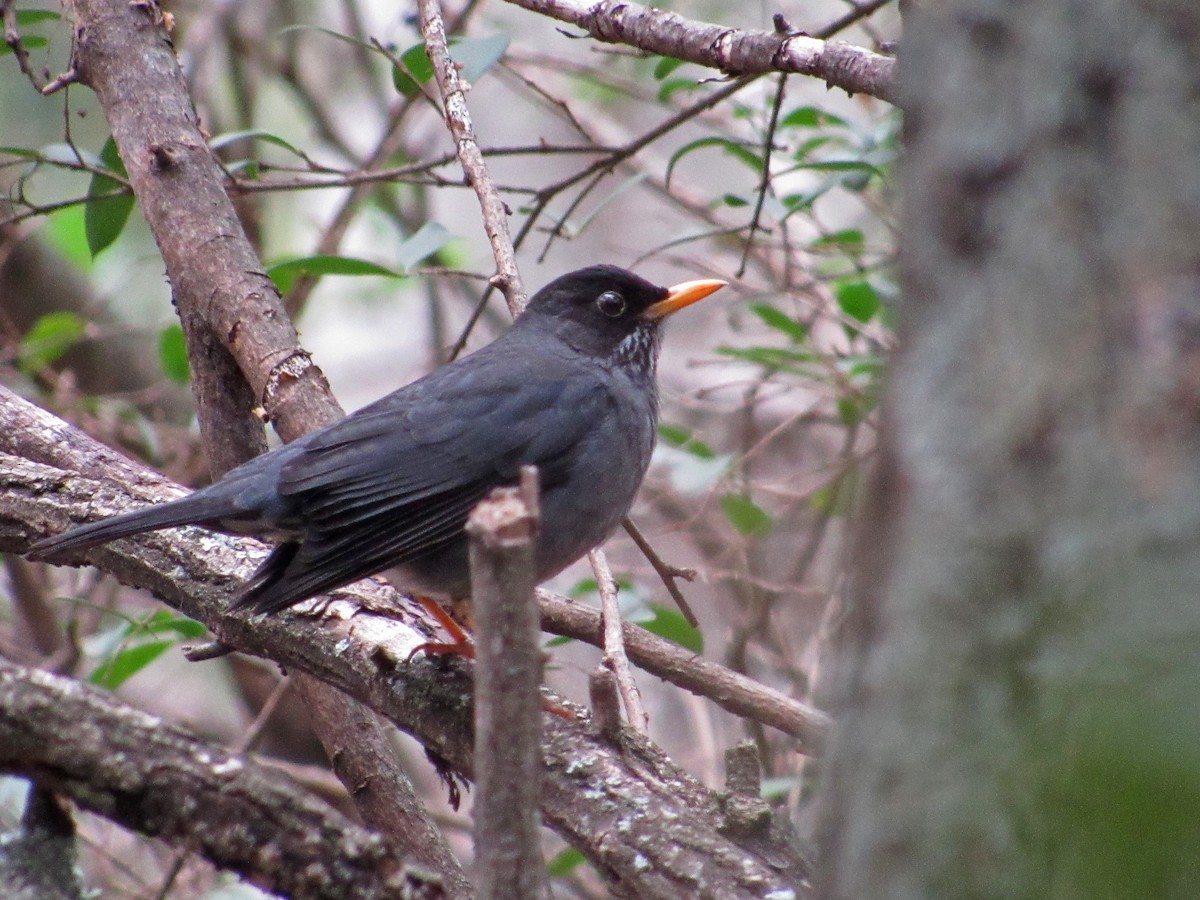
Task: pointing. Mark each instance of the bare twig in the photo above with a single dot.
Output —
(12, 37)
(508, 704)
(666, 572)
(458, 120)
(615, 657)
(730, 690)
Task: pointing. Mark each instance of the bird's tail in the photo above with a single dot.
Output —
(196, 509)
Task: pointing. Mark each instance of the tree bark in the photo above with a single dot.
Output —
(1017, 703)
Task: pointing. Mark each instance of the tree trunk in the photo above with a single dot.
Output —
(1019, 693)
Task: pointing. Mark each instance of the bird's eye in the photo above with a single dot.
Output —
(611, 304)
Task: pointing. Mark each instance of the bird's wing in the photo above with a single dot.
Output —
(398, 479)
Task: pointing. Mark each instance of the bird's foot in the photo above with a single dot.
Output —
(460, 643)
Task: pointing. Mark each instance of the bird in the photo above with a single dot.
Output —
(570, 387)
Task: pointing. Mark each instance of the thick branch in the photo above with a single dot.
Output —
(734, 51)
(160, 781)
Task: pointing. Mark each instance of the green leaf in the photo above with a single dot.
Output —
(106, 211)
(733, 148)
(114, 672)
(840, 165)
(231, 137)
(284, 274)
(68, 155)
(477, 56)
(172, 353)
(780, 321)
(51, 336)
(414, 71)
(857, 298)
(165, 620)
(674, 85)
(779, 787)
(678, 436)
(33, 16)
(665, 66)
(429, 239)
(799, 361)
(837, 497)
(733, 200)
(22, 152)
(66, 232)
(745, 515)
(669, 623)
(564, 863)
(28, 41)
(850, 240)
(809, 117)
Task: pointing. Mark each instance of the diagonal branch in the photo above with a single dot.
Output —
(733, 51)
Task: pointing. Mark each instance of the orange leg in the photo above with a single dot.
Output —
(460, 643)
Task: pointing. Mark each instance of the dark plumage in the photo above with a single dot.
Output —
(568, 388)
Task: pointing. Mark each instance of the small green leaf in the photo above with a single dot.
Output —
(415, 70)
(809, 117)
(670, 624)
(257, 134)
(51, 336)
(477, 56)
(28, 41)
(417, 61)
(673, 86)
(665, 66)
(840, 165)
(429, 239)
(780, 321)
(800, 361)
(114, 672)
(837, 497)
(65, 231)
(733, 148)
(850, 240)
(109, 202)
(172, 353)
(284, 274)
(745, 515)
(165, 620)
(33, 16)
(857, 299)
(564, 863)
(733, 200)
(678, 436)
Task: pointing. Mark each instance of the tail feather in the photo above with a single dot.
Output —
(191, 510)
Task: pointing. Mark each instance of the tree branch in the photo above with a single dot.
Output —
(160, 781)
(733, 51)
(508, 701)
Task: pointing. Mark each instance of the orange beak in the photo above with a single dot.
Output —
(682, 295)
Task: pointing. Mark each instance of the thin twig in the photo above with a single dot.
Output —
(458, 120)
(667, 572)
(615, 657)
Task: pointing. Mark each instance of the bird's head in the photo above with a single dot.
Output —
(611, 314)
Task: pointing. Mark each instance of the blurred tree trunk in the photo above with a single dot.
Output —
(1019, 693)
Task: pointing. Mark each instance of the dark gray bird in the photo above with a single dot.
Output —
(569, 388)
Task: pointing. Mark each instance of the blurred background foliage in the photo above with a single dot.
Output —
(344, 175)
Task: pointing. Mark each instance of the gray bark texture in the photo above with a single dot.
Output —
(1019, 697)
